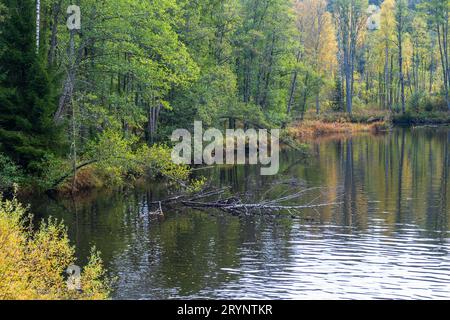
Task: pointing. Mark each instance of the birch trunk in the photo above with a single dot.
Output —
(38, 24)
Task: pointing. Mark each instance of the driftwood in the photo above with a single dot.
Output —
(158, 212)
(234, 204)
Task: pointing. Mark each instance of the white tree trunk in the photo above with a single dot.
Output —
(38, 24)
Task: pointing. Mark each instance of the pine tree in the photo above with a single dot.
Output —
(27, 95)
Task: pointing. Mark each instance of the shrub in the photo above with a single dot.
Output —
(419, 102)
(33, 263)
(416, 101)
(122, 159)
(157, 161)
(10, 174)
(51, 169)
(428, 104)
(114, 155)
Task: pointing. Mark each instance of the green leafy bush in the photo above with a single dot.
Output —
(10, 173)
(119, 159)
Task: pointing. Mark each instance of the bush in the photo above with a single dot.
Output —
(419, 118)
(10, 174)
(436, 103)
(33, 264)
(51, 169)
(157, 161)
(419, 102)
(416, 101)
(114, 155)
(122, 159)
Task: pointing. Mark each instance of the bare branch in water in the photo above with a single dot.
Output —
(218, 199)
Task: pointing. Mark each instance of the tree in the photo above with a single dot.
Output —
(263, 44)
(438, 15)
(2, 19)
(401, 16)
(128, 58)
(209, 32)
(2, 12)
(318, 39)
(387, 25)
(27, 90)
(351, 18)
(38, 24)
(422, 54)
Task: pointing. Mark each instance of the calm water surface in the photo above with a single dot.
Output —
(389, 239)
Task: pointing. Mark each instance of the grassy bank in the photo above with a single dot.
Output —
(316, 128)
(112, 161)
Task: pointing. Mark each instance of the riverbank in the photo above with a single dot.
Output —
(314, 126)
(118, 164)
(114, 162)
(189, 254)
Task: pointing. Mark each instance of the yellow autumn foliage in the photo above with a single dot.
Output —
(33, 263)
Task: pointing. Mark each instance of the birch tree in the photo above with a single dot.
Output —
(351, 19)
(401, 16)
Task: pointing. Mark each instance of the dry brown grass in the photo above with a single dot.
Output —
(315, 128)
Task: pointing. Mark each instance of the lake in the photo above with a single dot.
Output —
(389, 239)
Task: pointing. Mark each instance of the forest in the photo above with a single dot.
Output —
(91, 91)
(137, 70)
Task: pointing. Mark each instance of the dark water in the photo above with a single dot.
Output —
(389, 239)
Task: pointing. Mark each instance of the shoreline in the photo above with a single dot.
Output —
(339, 123)
(335, 124)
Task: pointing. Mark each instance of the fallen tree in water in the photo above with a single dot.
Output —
(221, 199)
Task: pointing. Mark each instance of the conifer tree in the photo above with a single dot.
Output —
(27, 91)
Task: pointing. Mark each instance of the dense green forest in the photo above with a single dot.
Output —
(111, 93)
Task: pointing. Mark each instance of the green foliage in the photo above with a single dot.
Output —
(114, 156)
(421, 102)
(51, 168)
(119, 159)
(210, 99)
(416, 101)
(2, 13)
(141, 69)
(245, 51)
(27, 95)
(337, 96)
(10, 174)
(134, 58)
(421, 118)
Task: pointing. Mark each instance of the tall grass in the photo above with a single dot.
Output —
(316, 128)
